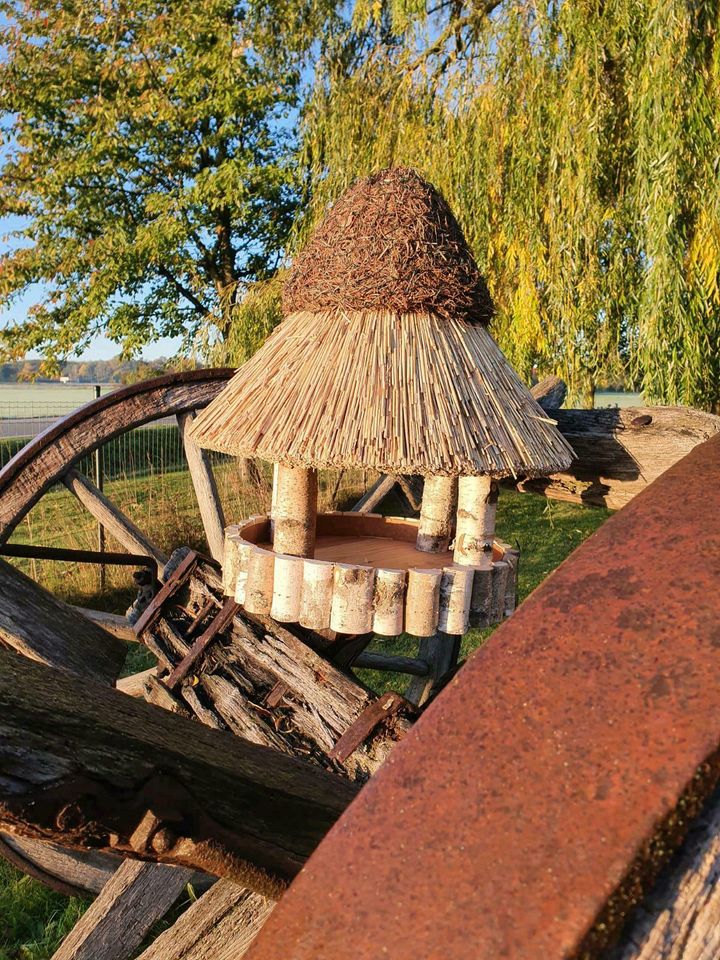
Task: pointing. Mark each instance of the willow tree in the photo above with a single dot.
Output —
(577, 142)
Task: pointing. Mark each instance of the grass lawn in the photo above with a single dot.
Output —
(33, 920)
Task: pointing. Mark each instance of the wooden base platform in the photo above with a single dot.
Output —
(365, 576)
(380, 552)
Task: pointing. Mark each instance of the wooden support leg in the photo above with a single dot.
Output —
(441, 653)
(295, 511)
(477, 506)
(437, 515)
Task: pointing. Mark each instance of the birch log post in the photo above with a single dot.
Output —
(481, 598)
(423, 602)
(317, 590)
(352, 599)
(455, 594)
(294, 510)
(93, 768)
(437, 514)
(231, 558)
(389, 602)
(287, 588)
(259, 583)
(477, 507)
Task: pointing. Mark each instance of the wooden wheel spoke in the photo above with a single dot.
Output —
(203, 479)
(112, 518)
(115, 624)
(222, 924)
(137, 896)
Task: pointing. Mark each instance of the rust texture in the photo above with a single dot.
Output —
(533, 801)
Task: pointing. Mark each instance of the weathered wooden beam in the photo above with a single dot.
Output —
(118, 625)
(222, 925)
(134, 685)
(73, 873)
(248, 658)
(91, 767)
(620, 451)
(112, 518)
(37, 625)
(550, 392)
(137, 896)
(206, 493)
(382, 487)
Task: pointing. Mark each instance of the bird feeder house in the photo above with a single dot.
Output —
(383, 361)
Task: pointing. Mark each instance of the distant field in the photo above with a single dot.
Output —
(617, 398)
(60, 393)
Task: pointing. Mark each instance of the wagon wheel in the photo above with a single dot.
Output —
(51, 458)
(124, 888)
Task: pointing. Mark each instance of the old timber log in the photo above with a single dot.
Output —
(93, 768)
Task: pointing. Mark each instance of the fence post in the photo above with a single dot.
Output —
(98, 458)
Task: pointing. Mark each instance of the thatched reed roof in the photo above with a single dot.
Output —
(391, 243)
(384, 361)
(410, 393)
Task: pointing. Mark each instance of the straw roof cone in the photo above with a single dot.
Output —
(384, 359)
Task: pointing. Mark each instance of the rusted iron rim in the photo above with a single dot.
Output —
(535, 800)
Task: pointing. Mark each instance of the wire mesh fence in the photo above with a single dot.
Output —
(145, 474)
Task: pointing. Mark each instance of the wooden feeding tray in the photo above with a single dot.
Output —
(366, 576)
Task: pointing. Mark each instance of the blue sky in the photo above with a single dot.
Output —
(101, 348)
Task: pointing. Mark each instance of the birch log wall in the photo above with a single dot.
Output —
(355, 598)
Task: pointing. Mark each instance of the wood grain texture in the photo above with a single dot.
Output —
(550, 392)
(112, 518)
(680, 919)
(221, 925)
(117, 922)
(134, 685)
(321, 700)
(73, 873)
(37, 625)
(373, 497)
(206, 492)
(619, 452)
(87, 765)
(44, 460)
(115, 624)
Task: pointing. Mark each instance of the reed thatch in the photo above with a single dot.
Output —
(408, 394)
(390, 243)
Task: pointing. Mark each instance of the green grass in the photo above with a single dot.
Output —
(546, 531)
(33, 920)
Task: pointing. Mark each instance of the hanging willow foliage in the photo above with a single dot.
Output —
(577, 143)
